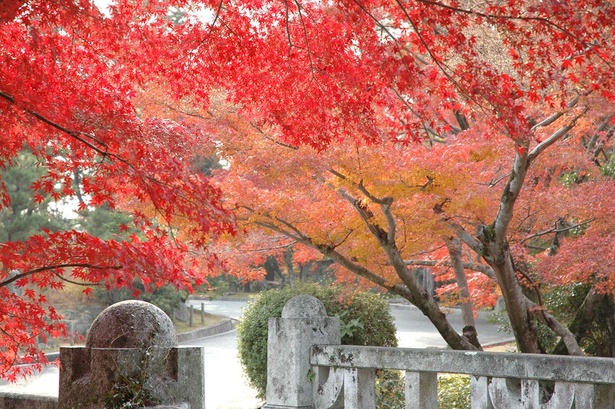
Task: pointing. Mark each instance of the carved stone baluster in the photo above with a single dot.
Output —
(502, 397)
(604, 397)
(563, 397)
(530, 394)
(480, 392)
(421, 390)
(329, 387)
(359, 388)
(584, 396)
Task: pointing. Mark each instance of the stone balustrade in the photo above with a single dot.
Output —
(344, 376)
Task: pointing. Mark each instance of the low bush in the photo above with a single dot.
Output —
(454, 392)
(365, 320)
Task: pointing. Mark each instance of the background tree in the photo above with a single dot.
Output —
(25, 216)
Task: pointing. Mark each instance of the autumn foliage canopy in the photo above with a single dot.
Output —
(380, 134)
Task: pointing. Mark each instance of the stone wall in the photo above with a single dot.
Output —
(21, 401)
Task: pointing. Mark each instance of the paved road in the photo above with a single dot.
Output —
(414, 330)
(226, 387)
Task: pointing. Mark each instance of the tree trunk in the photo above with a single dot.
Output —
(608, 309)
(499, 258)
(582, 320)
(288, 259)
(454, 250)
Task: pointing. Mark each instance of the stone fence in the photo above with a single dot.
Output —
(307, 368)
(130, 360)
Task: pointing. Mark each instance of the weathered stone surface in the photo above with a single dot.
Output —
(304, 322)
(304, 306)
(24, 401)
(132, 324)
(131, 348)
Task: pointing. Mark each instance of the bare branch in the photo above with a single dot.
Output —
(481, 268)
(556, 230)
(538, 19)
(554, 117)
(566, 335)
(75, 282)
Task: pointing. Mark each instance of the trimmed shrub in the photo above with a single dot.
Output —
(454, 392)
(365, 320)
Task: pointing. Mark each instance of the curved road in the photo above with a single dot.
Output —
(225, 385)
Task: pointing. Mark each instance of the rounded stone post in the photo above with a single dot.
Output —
(131, 356)
(290, 379)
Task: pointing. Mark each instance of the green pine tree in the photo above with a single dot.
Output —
(25, 216)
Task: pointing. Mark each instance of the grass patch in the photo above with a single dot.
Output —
(210, 319)
(229, 296)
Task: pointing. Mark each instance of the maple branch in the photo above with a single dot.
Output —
(481, 268)
(556, 230)
(557, 135)
(75, 134)
(271, 139)
(308, 48)
(495, 181)
(82, 137)
(329, 251)
(441, 65)
(543, 20)
(78, 135)
(55, 267)
(591, 144)
(212, 116)
(281, 246)
(85, 284)
(389, 34)
(554, 117)
(564, 333)
(287, 21)
(296, 234)
(385, 206)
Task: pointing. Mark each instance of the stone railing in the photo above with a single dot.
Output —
(307, 368)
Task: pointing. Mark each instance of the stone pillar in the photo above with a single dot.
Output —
(131, 355)
(290, 379)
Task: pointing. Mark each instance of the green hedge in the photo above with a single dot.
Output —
(365, 320)
(453, 391)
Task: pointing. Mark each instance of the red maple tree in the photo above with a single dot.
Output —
(69, 79)
(480, 111)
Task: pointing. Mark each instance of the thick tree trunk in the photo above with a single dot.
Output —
(515, 300)
(496, 252)
(608, 310)
(582, 320)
